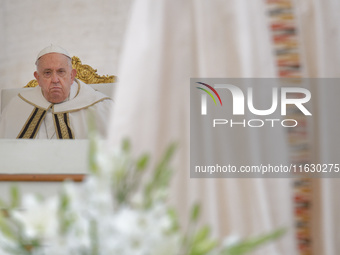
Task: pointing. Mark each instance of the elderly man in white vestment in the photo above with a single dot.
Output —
(57, 108)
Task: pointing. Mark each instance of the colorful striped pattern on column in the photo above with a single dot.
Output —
(286, 50)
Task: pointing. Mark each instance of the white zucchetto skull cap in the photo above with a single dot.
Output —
(52, 49)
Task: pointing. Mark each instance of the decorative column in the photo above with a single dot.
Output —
(286, 50)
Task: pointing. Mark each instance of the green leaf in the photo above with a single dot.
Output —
(195, 212)
(142, 162)
(6, 229)
(174, 219)
(248, 245)
(64, 219)
(167, 156)
(15, 196)
(160, 178)
(126, 146)
(3, 204)
(64, 202)
(202, 234)
(203, 247)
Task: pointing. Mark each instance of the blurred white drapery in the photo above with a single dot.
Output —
(167, 42)
(170, 41)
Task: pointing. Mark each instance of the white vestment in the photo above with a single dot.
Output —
(30, 115)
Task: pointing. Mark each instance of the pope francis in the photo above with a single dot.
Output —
(57, 108)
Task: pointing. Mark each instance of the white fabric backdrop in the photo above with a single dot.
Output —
(167, 43)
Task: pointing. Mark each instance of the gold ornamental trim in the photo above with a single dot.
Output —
(89, 75)
(32, 125)
(62, 126)
(32, 84)
(85, 73)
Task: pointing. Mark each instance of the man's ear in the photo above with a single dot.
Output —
(73, 74)
(36, 75)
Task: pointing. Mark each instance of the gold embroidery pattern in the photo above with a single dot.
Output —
(62, 126)
(32, 125)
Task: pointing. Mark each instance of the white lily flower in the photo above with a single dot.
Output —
(38, 218)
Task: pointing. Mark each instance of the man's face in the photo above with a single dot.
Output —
(55, 76)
